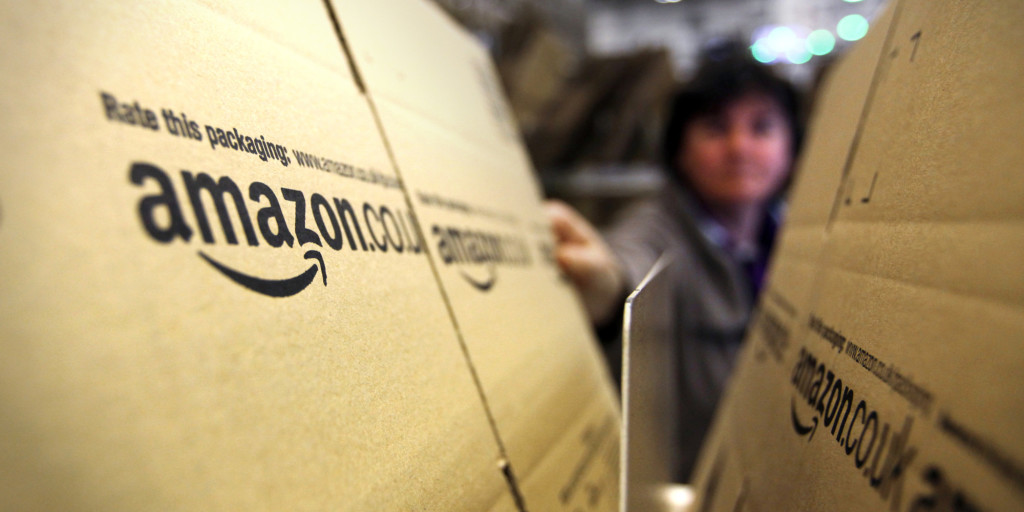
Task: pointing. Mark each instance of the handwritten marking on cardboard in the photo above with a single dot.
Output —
(595, 469)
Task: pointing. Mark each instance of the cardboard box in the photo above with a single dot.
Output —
(880, 372)
(568, 124)
(191, 318)
(628, 125)
(610, 112)
(470, 184)
(534, 64)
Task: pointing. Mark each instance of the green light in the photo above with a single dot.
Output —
(820, 42)
(798, 55)
(781, 39)
(852, 27)
(761, 52)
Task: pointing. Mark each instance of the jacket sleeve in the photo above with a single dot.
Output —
(638, 237)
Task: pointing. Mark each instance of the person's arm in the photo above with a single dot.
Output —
(588, 261)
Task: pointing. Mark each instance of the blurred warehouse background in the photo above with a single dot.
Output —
(588, 80)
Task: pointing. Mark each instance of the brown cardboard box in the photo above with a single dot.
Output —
(471, 187)
(628, 124)
(534, 63)
(882, 371)
(610, 112)
(278, 358)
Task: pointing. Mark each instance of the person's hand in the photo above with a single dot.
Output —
(586, 259)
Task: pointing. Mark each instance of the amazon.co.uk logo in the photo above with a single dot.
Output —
(879, 451)
(479, 253)
(338, 222)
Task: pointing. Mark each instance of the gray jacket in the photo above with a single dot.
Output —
(712, 301)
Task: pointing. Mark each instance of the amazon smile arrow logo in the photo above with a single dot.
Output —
(273, 287)
(471, 247)
(483, 285)
(798, 426)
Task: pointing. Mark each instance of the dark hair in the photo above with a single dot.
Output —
(726, 75)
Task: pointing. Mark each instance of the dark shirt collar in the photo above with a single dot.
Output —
(715, 233)
(751, 258)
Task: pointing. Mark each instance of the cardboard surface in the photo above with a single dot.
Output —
(478, 203)
(150, 362)
(535, 72)
(649, 422)
(881, 371)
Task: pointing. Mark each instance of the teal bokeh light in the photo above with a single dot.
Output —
(820, 42)
(798, 55)
(781, 39)
(852, 27)
(762, 52)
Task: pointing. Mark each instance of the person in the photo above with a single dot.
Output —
(730, 142)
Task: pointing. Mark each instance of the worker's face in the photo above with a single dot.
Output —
(738, 156)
